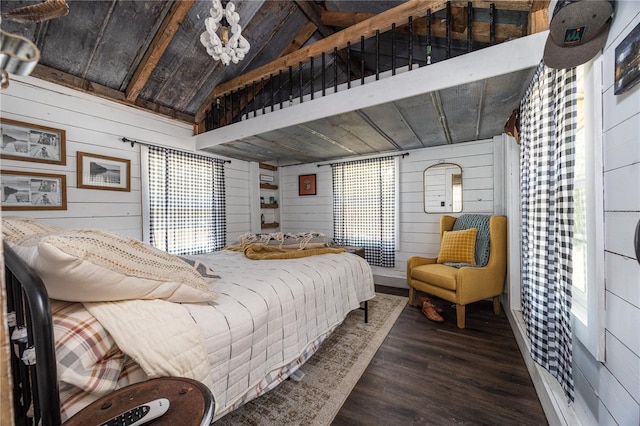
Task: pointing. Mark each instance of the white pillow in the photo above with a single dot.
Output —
(97, 266)
(16, 228)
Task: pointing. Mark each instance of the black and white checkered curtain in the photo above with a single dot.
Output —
(187, 213)
(548, 123)
(364, 201)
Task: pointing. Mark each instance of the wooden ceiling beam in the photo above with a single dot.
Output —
(538, 17)
(343, 19)
(313, 13)
(163, 37)
(58, 77)
(438, 28)
(518, 5)
(347, 19)
(300, 38)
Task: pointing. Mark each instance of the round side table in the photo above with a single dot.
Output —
(190, 403)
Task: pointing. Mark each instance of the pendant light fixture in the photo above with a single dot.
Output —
(223, 38)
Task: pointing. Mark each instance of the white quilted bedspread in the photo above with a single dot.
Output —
(269, 317)
(159, 335)
(269, 313)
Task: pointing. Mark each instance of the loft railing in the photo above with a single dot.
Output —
(320, 76)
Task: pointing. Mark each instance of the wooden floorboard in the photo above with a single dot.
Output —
(427, 373)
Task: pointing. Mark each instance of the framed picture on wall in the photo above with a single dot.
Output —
(33, 191)
(102, 172)
(627, 70)
(32, 142)
(307, 184)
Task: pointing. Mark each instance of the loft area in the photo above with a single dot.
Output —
(452, 101)
(358, 57)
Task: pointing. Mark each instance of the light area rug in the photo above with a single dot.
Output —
(330, 374)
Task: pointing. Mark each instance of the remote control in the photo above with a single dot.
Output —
(141, 414)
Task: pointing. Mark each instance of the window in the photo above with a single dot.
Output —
(186, 201)
(588, 263)
(364, 207)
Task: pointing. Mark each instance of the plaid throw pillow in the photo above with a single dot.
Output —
(458, 246)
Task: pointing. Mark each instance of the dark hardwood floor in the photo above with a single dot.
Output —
(427, 373)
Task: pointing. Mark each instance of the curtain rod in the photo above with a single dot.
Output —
(132, 142)
(372, 158)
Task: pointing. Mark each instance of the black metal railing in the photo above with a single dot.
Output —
(406, 49)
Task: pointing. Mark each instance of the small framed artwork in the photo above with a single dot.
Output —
(33, 191)
(627, 69)
(102, 172)
(32, 142)
(307, 184)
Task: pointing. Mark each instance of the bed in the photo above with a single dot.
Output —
(251, 325)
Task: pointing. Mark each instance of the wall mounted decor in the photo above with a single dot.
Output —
(307, 184)
(102, 172)
(266, 178)
(33, 191)
(32, 142)
(627, 71)
(443, 188)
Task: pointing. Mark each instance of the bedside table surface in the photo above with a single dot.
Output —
(190, 403)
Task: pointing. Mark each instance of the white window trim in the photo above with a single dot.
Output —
(144, 181)
(592, 334)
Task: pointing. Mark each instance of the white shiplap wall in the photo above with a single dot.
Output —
(612, 389)
(418, 231)
(96, 126)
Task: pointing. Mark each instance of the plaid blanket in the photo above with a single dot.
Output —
(90, 364)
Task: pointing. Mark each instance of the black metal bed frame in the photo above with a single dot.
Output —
(36, 398)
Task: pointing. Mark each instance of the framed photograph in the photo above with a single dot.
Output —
(307, 184)
(33, 191)
(627, 71)
(102, 172)
(31, 142)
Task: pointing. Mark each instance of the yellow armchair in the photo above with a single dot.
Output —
(467, 284)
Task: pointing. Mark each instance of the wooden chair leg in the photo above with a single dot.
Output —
(496, 305)
(460, 315)
(412, 294)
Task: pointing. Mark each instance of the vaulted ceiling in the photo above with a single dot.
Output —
(148, 54)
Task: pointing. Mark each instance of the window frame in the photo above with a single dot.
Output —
(592, 304)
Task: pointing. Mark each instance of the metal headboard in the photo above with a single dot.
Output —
(35, 385)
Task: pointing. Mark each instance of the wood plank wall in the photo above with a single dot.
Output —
(418, 231)
(96, 126)
(612, 388)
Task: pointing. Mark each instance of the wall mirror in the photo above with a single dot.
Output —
(443, 188)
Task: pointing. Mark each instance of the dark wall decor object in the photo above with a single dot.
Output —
(627, 71)
(307, 184)
(33, 191)
(636, 241)
(32, 142)
(102, 172)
